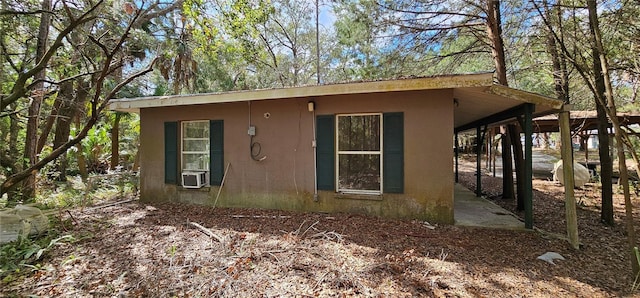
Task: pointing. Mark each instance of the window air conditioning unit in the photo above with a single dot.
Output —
(193, 179)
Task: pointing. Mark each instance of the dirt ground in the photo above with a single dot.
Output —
(152, 250)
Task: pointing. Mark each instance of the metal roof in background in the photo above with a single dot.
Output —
(581, 121)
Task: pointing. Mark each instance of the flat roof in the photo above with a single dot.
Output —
(476, 95)
(582, 121)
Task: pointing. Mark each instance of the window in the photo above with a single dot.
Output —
(359, 155)
(195, 146)
(391, 161)
(199, 147)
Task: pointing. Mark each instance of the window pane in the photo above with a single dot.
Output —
(195, 145)
(195, 162)
(195, 130)
(359, 133)
(359, 171)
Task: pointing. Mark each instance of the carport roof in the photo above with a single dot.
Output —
(476, 97)
(581, 121)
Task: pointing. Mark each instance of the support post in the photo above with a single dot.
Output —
(567, 172)
(478, 162)
(456, 153)
(528, 166)
(487, 149)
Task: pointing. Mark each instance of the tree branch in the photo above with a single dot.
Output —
(19, 89)
(6, 12)
(17, 177)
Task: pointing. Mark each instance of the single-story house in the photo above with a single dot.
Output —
(383, 148)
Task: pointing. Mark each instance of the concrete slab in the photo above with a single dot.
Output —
(472, 211)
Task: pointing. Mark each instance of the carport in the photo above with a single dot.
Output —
(472, 211)
(479, 108)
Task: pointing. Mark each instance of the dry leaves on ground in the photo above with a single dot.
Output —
(136, 249)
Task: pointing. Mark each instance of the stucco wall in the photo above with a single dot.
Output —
(285, 179)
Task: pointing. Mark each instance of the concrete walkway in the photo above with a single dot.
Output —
(472, 211)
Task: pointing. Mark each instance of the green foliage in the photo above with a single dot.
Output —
(97, 147)
(98, 188)
(25, 254)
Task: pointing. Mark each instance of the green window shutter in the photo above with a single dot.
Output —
(325, 153)
(393, 153)
(216, 147)
(171, 152)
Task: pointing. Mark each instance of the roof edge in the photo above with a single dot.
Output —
(525, 96)
(426, 83)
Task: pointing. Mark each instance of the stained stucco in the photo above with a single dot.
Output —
(285, 179)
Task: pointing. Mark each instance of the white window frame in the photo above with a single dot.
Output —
(183, 151)
(345, 152)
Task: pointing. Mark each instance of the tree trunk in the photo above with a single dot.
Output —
(63, 126)
(507, 175)
(514, 136)
(602, 78)
(31, 141)
(494, 33)
(606, 165)
(136, 160)
(10, 160)
(49, 125)
(545, 140)
(115, 141)
(561, 84)
(82, 163)
(99, 98)
(14, 131)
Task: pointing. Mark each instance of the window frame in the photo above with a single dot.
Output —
(206, 152)
(339, 152)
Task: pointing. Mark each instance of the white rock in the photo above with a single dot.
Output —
(581, 174)
(550, 256)
(21, 221)
(38, 223)
(11, 227)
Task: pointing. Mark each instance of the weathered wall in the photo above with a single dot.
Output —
(284, 180)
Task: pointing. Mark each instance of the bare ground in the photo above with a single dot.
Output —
(152, 250)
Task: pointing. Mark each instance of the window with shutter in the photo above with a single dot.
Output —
(393, 152)
(216, 131)
(361, 153)
(201, 149)
(325, 152)
(171, 152)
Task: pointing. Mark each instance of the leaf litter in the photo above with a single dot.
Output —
(140, 249)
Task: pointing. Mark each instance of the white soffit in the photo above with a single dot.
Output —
(475, 103)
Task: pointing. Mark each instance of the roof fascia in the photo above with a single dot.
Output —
(429, 83)
(524, 96)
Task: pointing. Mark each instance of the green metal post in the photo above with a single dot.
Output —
(528, 166)
(478, 162)
(457, 150)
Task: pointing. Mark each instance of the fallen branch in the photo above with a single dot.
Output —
(328, 235)
(260, 216)
(552, 235)
(312, 226)
(72, 218)
(111, 204)
(418, 235)
(207, 232)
